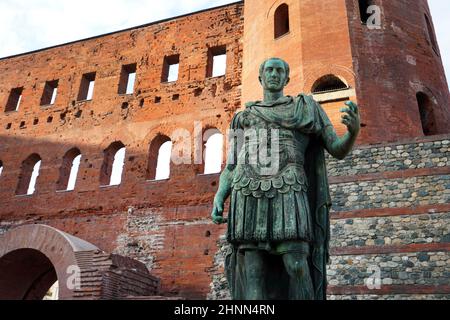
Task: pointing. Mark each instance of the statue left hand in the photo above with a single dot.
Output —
(351, 118)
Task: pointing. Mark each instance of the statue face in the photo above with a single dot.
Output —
(274, 76)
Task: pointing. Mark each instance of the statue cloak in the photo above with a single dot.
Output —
(310, 118)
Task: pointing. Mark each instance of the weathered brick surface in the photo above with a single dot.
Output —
(391, 65)
(166, 224)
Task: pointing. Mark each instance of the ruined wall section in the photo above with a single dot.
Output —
(162, 223)
(135, 120)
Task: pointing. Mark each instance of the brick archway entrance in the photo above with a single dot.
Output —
(34, 257)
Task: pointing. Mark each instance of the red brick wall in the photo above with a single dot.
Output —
(99, 215)
(392, 64)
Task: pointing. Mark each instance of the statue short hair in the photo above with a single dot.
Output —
(286, 66)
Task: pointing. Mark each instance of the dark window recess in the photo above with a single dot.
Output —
(22, 125)
(36, 122)
(50, 93)
(141, 103)
(281, 20)
(153, 155)
(364, 8)
(157, 99)
(426, 114)
(170, 68)
(49, 119)
(198, 92)
(87, 87)
(66, 169)
(108, 162)
(328, 83)
(431, 34)
(8, 126)
(127, 79)
(216, 65)
(15, 97)
(26, 172)
(176, 97)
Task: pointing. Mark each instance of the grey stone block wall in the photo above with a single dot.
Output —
(392, 158)
(399, 230)
(394, 269)
(392, 193)
(390, 269)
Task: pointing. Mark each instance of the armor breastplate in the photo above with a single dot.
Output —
(271, 159)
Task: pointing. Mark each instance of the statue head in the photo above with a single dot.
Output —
(274, 74)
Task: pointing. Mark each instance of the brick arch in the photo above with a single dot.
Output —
(109, 154)
(275, 5)
(153, 154)
(345, 74)
(33, 257)
(208, 132)
(419, 87)
(66, 166)
(153, 134)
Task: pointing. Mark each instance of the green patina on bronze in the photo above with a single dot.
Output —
(278, 222)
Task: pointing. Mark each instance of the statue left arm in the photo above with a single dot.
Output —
(341, 147)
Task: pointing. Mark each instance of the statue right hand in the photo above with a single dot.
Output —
(217, 214)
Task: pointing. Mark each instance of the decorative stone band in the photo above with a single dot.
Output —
(389, 289)
(391, 175)
(367, 250)
(391, 212)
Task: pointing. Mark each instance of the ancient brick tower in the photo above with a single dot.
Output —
(383, 68)
(391, 197)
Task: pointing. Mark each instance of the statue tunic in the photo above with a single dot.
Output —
(269, 197)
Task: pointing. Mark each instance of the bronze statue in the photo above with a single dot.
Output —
(278, 221)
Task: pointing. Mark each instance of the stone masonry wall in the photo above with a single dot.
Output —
(390, 224)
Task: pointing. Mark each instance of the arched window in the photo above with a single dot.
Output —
(431, 34)
(426, 114)
(113, 163)
(159, 160)
(281, 20)
(69, 170)
(213, 151)
(28, 175)
(328, 83)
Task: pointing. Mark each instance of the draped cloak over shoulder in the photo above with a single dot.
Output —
(292, 203)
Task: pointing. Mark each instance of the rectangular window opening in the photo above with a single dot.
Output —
(15, 97)
(171, 68)
(127, 79)
(50, 93)
(217, 62)
(87, 87)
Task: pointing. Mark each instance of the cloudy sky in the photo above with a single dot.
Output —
(29, 25)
